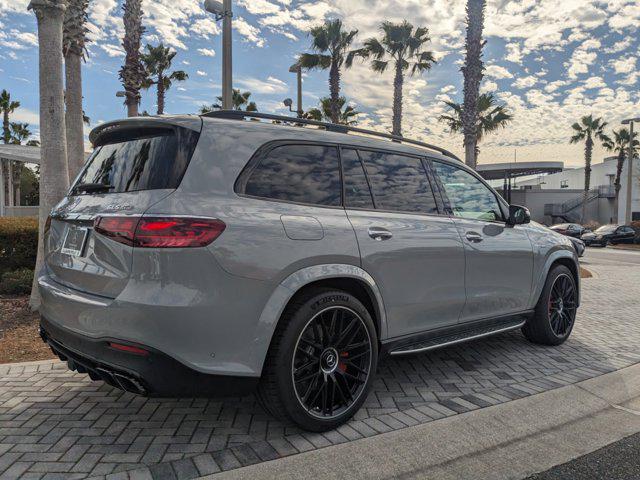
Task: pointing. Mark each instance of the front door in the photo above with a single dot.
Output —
(499, 257)
(414, 254)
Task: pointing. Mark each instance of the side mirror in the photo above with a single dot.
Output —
(518, 215)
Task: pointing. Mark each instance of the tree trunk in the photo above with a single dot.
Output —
(6, 133)
(74, 118)
(398, 83)
(473, 73)
(161, 93)
(616, 183)
(588, 153)
(334, 89)
(54, 174)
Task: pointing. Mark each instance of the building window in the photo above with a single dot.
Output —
(564, 183)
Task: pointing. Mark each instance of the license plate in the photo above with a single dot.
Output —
(74, 241)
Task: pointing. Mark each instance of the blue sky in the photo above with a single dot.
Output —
(550, 61)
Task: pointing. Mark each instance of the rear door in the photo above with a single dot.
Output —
(499, 257)
(130, 170)
(412, 251)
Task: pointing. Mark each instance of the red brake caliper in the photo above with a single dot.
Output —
(343, 366)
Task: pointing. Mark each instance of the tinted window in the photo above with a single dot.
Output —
(356, 188)
(149, 160)
(298, 173)
(399, 182)
(468, 197)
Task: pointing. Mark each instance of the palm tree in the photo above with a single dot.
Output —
(240, 101)
(74, 40)
(472, 70)
(330, 44)
(132, 72)
(620, 145)
(157, 63)
(8, 107)
(589, 130)
(346, 116)
(404, 46)
(54, 178)
(491, 117)
(19, 133)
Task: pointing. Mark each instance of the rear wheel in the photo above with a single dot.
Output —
(321, 361)
(555, 312)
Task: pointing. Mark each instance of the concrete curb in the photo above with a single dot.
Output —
(511, 440)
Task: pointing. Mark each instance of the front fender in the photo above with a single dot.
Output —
(293, 283)
(561, 253)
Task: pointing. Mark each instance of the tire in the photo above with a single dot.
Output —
(547, 326)
(313, 352)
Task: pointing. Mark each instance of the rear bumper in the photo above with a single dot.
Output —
(154, 374)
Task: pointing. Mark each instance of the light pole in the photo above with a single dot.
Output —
(222, 11)
(627, 212)
(297, 69)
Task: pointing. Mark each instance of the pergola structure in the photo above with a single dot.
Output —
(508, 172)
(9, 195)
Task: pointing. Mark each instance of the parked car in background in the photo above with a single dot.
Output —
(610, 235)
(578, 245)
(210, 255)
(574, 230)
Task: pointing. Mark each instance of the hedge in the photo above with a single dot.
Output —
(17, 282)
(18, 243)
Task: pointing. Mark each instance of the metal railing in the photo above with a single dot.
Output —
(331, 127)
(20, 211)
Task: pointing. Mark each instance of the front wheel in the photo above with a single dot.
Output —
(556, 310)
(321, 362)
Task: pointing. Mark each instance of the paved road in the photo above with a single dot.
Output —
(611, 256)
(618, 461)
(56, 424)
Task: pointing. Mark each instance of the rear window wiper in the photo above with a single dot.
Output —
(91, 187)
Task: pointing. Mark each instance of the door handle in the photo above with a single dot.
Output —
(379, 234)
(474, 237)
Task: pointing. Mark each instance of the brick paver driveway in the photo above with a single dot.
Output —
(56, 424)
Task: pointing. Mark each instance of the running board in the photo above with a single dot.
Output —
(445, 340)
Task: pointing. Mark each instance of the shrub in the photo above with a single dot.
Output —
(18, 243)
(17, 282)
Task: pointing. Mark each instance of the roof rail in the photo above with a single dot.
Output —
(331, 127)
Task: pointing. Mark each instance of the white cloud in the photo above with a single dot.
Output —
(207, 52)
(497, 72)
(594, 82)
(112, 50)
(270, 85)
(525, 82)
(249, 32)
(488, 86)
(624, 64)
(200, 73)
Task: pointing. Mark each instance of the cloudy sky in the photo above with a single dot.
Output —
(550, 61)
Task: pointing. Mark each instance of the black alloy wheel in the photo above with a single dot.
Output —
(331, 362)
(562, 305)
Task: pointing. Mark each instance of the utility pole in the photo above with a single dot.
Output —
(227, 61)
(222, 11)
(297, 69)
(627, 213)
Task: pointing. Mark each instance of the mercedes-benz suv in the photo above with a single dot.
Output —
(210, 255)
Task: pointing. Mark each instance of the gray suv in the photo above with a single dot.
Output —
(211, 255)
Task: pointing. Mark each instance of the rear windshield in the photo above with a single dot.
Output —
(146, 159)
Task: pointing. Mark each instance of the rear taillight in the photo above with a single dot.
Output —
(160, 232)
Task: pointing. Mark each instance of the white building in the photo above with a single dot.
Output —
(602, 185)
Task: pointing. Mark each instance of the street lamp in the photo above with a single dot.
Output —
(222, 11)
(627, 212)
(297, 69)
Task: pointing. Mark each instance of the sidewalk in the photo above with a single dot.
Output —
(512, 440)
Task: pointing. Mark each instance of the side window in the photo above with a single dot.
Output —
(399, 182)
(468, 197)
(297, 173)
(356, 187)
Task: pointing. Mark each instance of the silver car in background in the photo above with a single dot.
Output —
(210, 255)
